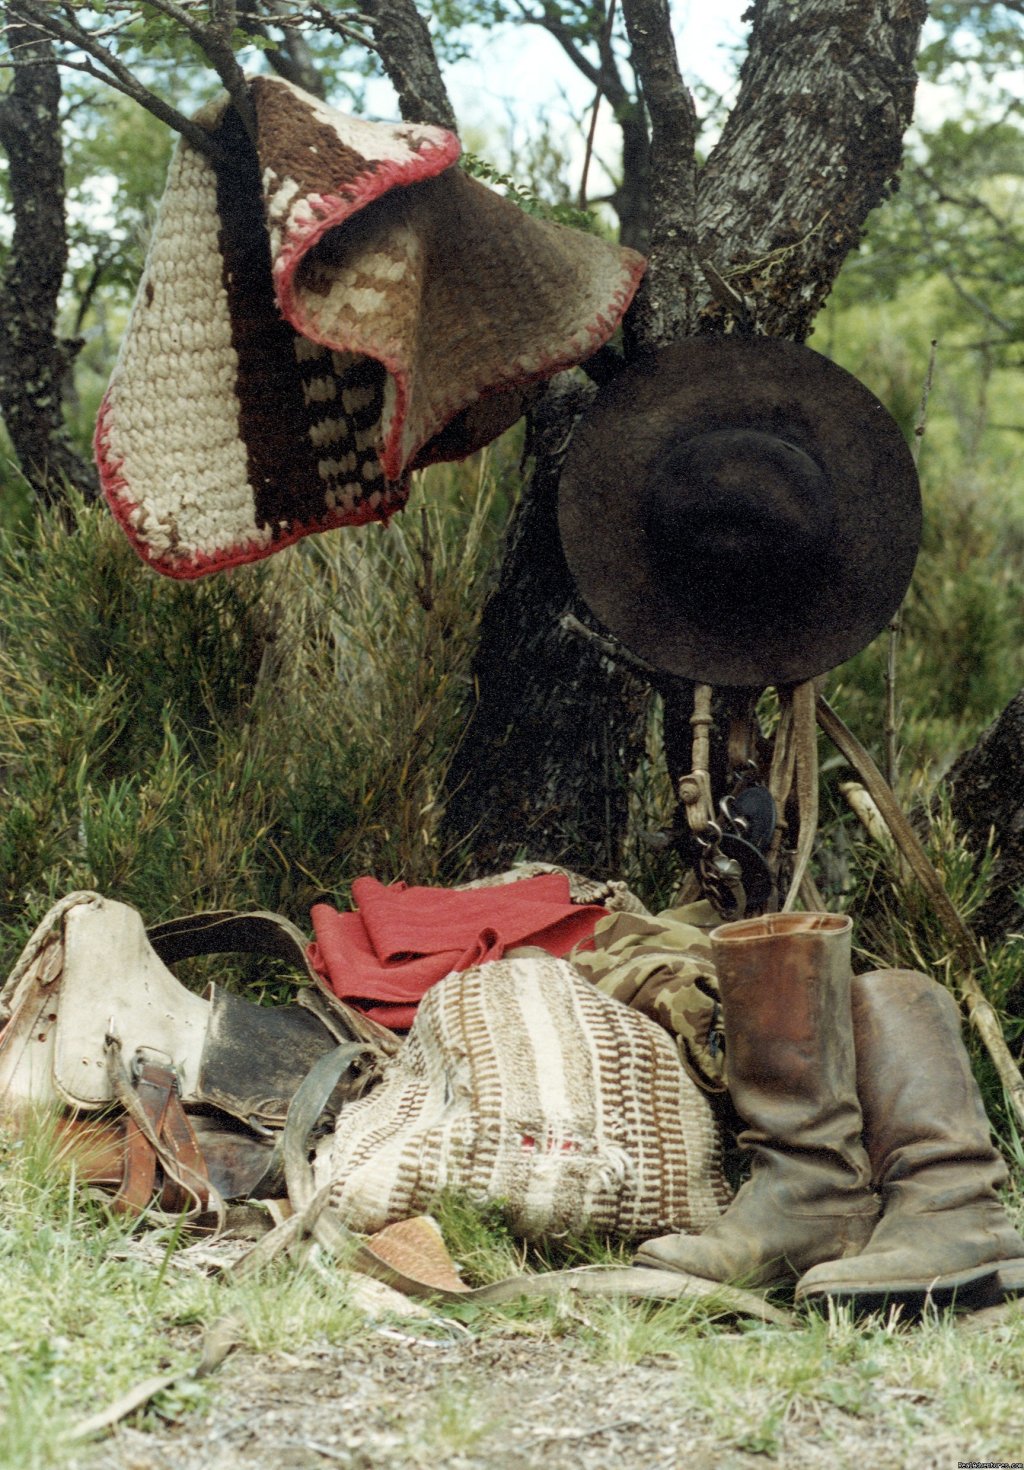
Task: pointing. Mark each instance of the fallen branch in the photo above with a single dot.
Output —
(896, 625)
(221, 1337)
(980, 1011)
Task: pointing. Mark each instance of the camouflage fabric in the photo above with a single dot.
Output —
(661, 965)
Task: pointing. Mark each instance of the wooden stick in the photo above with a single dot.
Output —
(806, 760)
(980, 1011)
(592, 133)
(896, 625)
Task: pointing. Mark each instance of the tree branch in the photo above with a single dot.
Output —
(38, 18)
(214, 40)
(551, 21)
(662, 310)
(328, 21)
(292, 58)
(408, 56)
(972, 204)
(970, 300)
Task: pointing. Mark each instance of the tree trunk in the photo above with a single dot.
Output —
(812, 145)
(33, 360)
(987, 801)
(511, 790)
(753, 241)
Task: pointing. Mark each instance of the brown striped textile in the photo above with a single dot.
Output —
(324, 309)
(660, 964)
(521, 1084)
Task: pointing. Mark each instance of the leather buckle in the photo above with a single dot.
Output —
(152, 1067)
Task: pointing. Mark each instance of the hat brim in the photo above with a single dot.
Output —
(814, 621)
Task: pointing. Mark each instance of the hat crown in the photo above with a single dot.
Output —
(735, 501)
(740, 511)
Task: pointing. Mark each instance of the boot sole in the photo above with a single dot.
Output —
(1011, 1278)
(770, 1281)
(969, 1290)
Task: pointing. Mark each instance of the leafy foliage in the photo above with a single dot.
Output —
(972, 37)
(958, 220)
(524, 196)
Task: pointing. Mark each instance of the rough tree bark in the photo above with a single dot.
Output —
(987, 796)
(812, 145)
(34, 362)
(752, 241)
(407, 55)
(556, 726)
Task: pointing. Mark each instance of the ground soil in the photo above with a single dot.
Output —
(395, 1401)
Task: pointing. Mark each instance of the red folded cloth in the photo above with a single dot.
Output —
(382, 959)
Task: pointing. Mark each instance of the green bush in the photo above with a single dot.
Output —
(253, 739)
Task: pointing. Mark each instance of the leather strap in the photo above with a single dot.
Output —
(139, 1182)
(189, 1163)
(157, 1131)
(225, 931)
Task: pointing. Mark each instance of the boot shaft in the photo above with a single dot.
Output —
(784, 981)
(925, 1126)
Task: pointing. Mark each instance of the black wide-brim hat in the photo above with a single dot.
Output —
(740, 511)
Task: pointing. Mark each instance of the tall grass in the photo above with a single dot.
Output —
(254, 739)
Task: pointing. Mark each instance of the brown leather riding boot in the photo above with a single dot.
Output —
(943, 1232)
(784, 981)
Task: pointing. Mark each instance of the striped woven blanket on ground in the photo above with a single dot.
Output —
(522, 1084)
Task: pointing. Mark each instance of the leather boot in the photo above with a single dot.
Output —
(784, 981)
(943, 1232)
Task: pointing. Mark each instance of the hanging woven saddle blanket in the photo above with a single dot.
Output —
(324, 309)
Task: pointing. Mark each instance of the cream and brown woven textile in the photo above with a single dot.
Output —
(611, 893)
(321, 313)
(521, 1084)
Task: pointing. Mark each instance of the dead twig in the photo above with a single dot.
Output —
(895, 626)
(588, 155)
(968, 951)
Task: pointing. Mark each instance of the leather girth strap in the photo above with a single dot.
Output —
(157, 1132)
